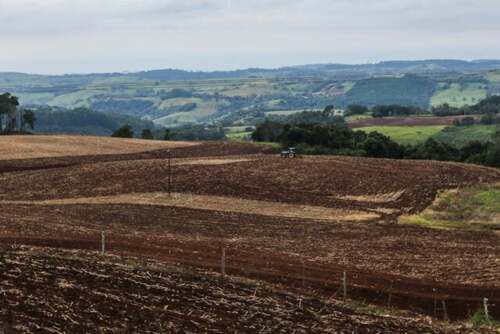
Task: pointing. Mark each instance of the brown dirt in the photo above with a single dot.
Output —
(215, 203)
(416, 267)
(405, 121)
(46, 290)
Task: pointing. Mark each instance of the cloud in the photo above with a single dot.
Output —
(81, 35)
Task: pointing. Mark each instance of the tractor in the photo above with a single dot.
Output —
(289, 153)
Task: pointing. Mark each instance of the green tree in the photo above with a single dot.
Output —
(356, 109)
(493, 155)
(124, 132)
(267, 131)
(166, 136)
(8, 107)
(147, 134)
(28, 118)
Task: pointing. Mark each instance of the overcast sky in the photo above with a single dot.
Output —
(76, 36)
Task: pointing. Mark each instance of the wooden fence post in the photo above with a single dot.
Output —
(486, 311)
(435, 302)
(389, 301)
(445, 312)
(103, 243)
(303, 273)
(344, 285)
(223, 262)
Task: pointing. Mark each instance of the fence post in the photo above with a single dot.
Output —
(223, 262)
(390, 294)
(445, 312)
(486, 311)
(344, 285)
(435, 302)
(303, 273)
(103, 243)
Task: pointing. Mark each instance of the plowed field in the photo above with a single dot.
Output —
(296, 225)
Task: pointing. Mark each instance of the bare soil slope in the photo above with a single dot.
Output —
(217, 189)
(28, 147)
(55, 291)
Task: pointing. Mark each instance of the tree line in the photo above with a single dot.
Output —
(337, 138)
(488, 106)
(187, 132)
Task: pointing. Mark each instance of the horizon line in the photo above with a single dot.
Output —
(125, 72)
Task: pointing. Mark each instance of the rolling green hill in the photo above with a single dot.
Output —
(409, 90)
(175, 97)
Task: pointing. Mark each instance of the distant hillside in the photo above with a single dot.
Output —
(410, 90)
(174, 98)
(85, 122)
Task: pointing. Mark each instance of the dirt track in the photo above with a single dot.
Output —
(305, 255)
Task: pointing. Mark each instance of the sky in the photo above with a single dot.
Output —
(84, 36)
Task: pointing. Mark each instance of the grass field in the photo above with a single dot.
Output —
(238, 135)
(202, 111)
(476, 208)
(493, 76)
(407, 135)
(457, 95)
(458, 136)
(354, 118)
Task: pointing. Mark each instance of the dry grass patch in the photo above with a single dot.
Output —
(378, 198)
(217, 203)
(29, 147)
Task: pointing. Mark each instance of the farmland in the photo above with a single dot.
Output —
(409, 121)
(173, 98)
(407, 135)
(290, 229)
(457, 136)
(457, 95)
(461, 135)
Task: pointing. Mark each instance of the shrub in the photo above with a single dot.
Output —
(124, 132)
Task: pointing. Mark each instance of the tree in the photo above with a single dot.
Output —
(8, 107)
(267, 131)
(166, 136)
(329, 110)
(28, 118)
(380, 146)
(147, 134)
(493, 155)
(356, 109)
(488, 119)
(468, 121)
(124, 132)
